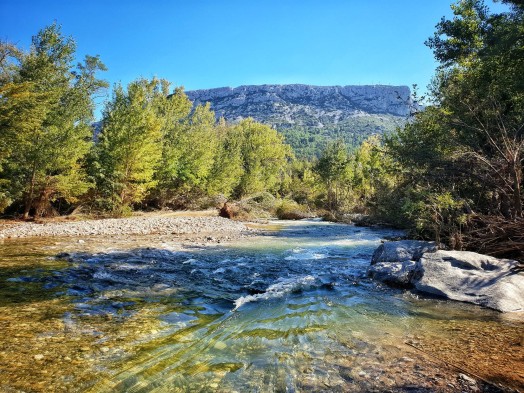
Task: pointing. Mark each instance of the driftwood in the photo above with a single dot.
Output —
(496, 236)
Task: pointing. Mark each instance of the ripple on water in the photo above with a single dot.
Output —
(292, 311)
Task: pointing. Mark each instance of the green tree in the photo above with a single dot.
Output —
(199, 143)
(303, 184)
(129, 148)
(264, 156)
(370, 172)
(190, 145)
(174, 111)
(45, 114)
(227, 170)
(331, 167)
(479, 90)
(462, 157)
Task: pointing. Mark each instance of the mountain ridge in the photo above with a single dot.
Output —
(313, 115)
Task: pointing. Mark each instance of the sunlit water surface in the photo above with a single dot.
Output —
(291, 310)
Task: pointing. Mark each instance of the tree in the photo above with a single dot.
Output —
(174, 111)
(460, 160)
(480, 92)
(370, 171)
(190, 145)
(331, 168)
(198, 144)
(227, 170)
(45, 115)
(264, 157)
(129, 148)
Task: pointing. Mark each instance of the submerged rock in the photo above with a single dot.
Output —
(471, 277)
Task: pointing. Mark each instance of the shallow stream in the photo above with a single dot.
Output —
(288, 310)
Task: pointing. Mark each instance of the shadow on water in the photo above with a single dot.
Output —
(290, 311)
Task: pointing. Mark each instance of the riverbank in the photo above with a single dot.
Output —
(202, 226)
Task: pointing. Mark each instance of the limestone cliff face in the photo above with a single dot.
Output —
(294, 104)
(310, 115)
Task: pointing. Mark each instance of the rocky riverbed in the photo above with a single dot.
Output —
(201, 228)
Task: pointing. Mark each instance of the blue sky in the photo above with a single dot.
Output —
(214, 43)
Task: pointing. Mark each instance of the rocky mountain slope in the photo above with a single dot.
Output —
(309, 116)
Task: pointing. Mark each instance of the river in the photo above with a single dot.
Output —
(289, 310)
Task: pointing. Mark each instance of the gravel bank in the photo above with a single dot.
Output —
(213, 226)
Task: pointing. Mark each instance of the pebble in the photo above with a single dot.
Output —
(220, 345)
(131, 226)
(468, 380)
(39, 357)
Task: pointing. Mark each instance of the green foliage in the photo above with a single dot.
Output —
(199, 145)
(46, 108)
(129, 148)
(464, 154)
(332, 167)
(228, 168)
(308, 141)
(288, 209)
(264, 158)
(302, 184)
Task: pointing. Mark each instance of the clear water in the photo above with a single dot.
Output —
(288, 311)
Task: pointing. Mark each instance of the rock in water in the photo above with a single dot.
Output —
(393, 263)
(457, 275)
(396, 274)
(401, 251)
(471, 277)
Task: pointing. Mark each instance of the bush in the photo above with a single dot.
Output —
(288, 209)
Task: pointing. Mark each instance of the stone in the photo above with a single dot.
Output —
(396, 274)
(467, 379)
(402, 250)
(227, 211)
(38, 357)
(220, 345)
(470, 277)
(393, 263)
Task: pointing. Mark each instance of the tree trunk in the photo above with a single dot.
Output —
(517, 200)
(30, 194)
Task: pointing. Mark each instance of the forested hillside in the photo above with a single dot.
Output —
(311, 116)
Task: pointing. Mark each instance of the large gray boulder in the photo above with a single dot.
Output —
(471, 277)
(393, 263)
